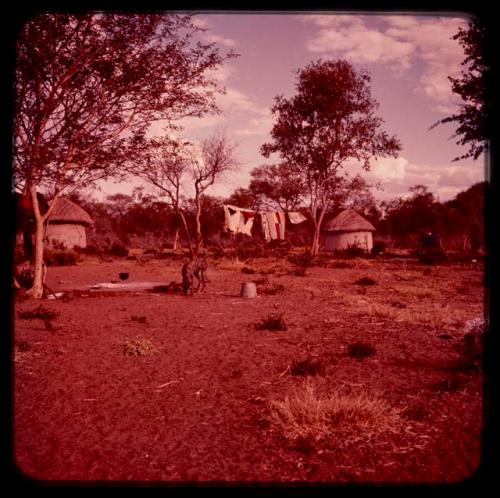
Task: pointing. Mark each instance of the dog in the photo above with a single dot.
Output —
(194, 268)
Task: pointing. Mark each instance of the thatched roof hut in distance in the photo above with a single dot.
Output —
(67, 225)
(348, 229)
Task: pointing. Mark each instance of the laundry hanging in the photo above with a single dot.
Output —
(238, 220)
(273, 225)
(296, 217)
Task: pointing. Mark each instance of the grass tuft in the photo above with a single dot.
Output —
(139, 347)
(303, 415)
(272, 322)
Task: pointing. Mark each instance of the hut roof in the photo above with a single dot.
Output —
(66, 211)
(348, 221)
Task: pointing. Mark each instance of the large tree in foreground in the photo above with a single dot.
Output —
(330, 120)
(473, 116)
(88, 87)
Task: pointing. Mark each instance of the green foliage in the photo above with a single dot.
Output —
(474, 116)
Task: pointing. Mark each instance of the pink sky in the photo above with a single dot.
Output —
(409, 58)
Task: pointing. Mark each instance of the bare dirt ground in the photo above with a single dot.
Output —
(197, 404)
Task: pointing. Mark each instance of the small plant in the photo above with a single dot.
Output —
(355, 250)
(365, 281)
(272, 289)
(360, 350)
(247, 270)
(39, 312)
(302, 262)
(342, 264)
(139, 347)
(272, 322)
(307, 367)
(138, 318)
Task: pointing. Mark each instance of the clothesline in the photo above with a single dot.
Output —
(240, 220)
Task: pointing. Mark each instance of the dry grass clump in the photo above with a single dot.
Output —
(247, 270)
(139, 347)
(342, 264)
(272, 289)
(272, 322)
(138, 318)
(365, 281)
(39, 312)
(340, 418)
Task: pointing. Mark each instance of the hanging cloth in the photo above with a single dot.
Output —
(296, 217)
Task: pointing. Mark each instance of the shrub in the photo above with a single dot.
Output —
(60, 257)
(379, 247)
(355, 250)
(360, 350)
(249, 248)
(118, 249)
(302, 262)
(272, 322)
(307, 367)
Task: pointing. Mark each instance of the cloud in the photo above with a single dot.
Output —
(209, 36)
(401, 42)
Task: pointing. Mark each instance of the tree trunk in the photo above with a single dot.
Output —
(37, 290)
(176, 239)
(199, 240)
(315, 241)
(186, 230)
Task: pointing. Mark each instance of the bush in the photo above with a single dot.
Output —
(118, 249)
(379, 247)
(355, 250)
(60, 257)
(249, 248)
(302, 262)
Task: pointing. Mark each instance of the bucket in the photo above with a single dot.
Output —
(248, 289)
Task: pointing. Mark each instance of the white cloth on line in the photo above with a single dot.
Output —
(296, 217)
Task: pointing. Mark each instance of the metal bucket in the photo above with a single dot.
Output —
(248, 290)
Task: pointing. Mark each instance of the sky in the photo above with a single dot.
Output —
(408, 57)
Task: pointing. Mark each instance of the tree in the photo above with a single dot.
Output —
(89, 86)
(215, 156)
(164, 164)
(473, 117)
(277, 186)
(330, 120)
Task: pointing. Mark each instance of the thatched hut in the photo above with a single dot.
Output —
(67, 226)
(348, 229)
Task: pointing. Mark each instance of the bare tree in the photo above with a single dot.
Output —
(215, 156)
(89, 87)
(164, 165)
